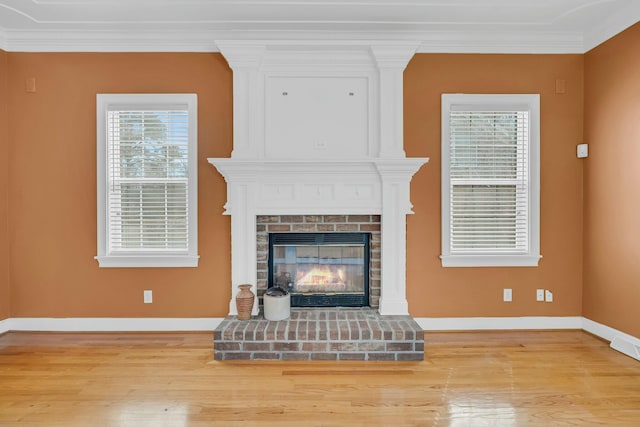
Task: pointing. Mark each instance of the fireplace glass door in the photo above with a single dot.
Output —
(321, 269)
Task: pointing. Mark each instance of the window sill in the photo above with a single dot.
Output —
(143, 261)
(526, 260)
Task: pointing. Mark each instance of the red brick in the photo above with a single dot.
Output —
(352, 356)
(342, 346)
(256, 346)
(358, 218)
(346, 227)
(381, 356)
(324, 356)
(286, 346)
(410, 356)
(371, 346)
(279, 227)
(314, 346)
(301, 333)
(399, 346)
(237, 356)
(369, 227)
(303, 228)
(266, 356)
(267, 219)
(295, 356)
(334, 218)
(226, 346)
(325, 228)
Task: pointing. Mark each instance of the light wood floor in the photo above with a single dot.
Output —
(467, 379)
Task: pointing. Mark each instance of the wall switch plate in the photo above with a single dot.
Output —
(539, 294)
(583, 151)
(507, 295)
(148, 297)
(548, 296)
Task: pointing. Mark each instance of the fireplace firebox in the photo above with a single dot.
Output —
(321, 269)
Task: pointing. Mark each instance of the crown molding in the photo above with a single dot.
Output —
(500, 42)
(204, 41)
(3, 40)
(110, 41)
(614, 24)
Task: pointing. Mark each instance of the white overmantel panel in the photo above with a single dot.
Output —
(318, 130)
(325, 99)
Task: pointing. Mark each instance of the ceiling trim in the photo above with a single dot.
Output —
(500, 42)
(109, 41)
(465, 34)
(619, 21)
(204, 41)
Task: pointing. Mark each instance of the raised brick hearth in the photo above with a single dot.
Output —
(320, 334)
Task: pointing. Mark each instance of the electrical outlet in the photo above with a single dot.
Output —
(548, 296)
(539, 294)
(507, 295)
(148, 297)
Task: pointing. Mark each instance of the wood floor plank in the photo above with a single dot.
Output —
(168, 379)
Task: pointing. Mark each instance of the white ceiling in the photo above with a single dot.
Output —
(527, 26)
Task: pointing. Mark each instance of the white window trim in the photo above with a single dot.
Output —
(188, 258)
(531, 103)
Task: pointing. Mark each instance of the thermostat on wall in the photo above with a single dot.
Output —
(583, 151)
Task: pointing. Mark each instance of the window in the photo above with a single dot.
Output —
(147, 180)
(490, 180)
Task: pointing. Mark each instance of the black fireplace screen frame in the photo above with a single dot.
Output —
(330, 238)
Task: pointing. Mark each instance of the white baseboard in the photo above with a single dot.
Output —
(109, 324)
(620, 341)
(624, 343)
(4, 326)
(498, 323)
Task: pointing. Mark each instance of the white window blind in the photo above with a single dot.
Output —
(489, 184)
(488, 166)
(149, 181)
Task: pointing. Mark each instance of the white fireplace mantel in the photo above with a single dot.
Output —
(318, 131)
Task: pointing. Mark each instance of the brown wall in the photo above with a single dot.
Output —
(434, 291)
(52, 171)
(612, 183)
(53, 191)
(4, 188)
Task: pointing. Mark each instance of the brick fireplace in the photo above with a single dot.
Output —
(369, 224)
(318, 147)
(318, 132)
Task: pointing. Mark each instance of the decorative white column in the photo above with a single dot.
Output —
(392, 59)
(396, 178)
(243, 243)
(245, 60)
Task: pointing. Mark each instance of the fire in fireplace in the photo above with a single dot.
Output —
(321, 269)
